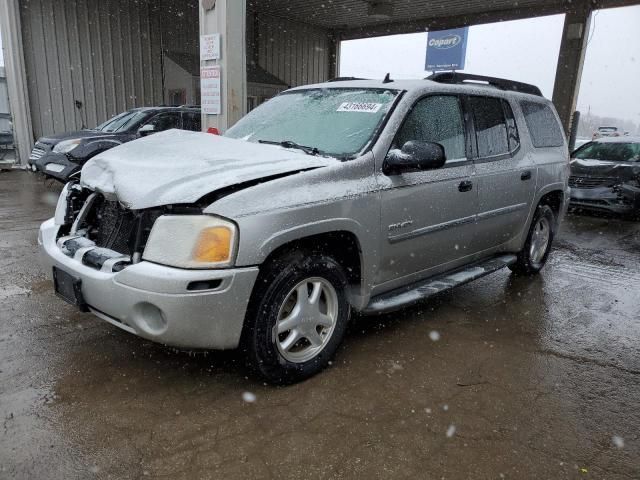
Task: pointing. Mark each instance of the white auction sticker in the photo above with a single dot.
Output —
(359, 107)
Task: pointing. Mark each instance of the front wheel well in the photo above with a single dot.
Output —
(342, 245)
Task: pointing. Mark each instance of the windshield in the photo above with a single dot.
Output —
(611, 152)
(123, 122)
(607, 129)
(337, 121)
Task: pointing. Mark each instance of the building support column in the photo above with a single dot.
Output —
(16, 78)
(228, 18)
(575, 37)
(334, 55)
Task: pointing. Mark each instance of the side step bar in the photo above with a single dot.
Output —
(414, 293)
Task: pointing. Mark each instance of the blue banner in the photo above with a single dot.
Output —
(447, 49)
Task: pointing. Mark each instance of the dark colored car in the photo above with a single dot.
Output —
(61, 156)
(605, 175)
(6, 131)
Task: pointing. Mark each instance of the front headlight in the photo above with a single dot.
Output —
(67, 145)
(61, 207)
(192, 241)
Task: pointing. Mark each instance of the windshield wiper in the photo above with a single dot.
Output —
(291, 144)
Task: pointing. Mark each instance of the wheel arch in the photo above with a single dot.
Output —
(343, 244)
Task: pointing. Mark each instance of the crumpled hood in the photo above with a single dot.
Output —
(178, 166)
(623, 171)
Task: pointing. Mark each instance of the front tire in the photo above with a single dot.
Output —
(537, 247)
(297, 317)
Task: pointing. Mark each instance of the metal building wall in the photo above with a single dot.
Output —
(105, 54)
(294, 52)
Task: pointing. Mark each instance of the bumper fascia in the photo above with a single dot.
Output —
(152, 301)
(622, 199)
(61, 159)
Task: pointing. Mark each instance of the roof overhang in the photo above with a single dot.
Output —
(367, 18)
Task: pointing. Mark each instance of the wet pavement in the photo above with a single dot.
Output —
(525, 378)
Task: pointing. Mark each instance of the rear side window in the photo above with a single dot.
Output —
(542, 124)
(490, 125)
(191, 121)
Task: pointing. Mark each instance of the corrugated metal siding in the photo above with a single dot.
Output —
(104, 54)
(294, 52)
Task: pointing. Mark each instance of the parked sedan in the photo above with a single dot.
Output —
(61, 156)
(605, 175)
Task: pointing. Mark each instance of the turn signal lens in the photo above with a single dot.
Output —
(213, 245)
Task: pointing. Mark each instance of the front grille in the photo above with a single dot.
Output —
(113, 227)
(576, 181)
(37, 152)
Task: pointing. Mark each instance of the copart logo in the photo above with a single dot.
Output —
(449, 41)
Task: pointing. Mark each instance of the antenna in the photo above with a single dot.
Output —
(387, 78)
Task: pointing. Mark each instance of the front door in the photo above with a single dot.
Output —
(428, 217)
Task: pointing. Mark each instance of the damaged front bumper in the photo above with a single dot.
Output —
(622, 199)
(177, 307)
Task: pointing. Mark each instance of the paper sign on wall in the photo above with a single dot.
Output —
(210, 47)
(210, 90)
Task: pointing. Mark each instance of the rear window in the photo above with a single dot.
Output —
(542, 124)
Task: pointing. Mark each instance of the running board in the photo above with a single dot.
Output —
(416, 292)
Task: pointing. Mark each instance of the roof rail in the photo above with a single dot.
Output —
(501, 83)
(345, 79)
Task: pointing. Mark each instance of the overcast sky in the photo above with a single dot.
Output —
(525, 50)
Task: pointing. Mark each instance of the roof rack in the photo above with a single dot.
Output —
(501, 83)
(345, 79)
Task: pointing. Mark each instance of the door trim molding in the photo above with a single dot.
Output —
(502, 211)
(431, 229)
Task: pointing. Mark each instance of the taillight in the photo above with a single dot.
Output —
(213, 130)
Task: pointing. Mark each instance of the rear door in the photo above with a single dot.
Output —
(428, 216)
(505, 172)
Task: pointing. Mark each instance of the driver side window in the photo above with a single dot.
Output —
(436, 119)
(165, 121)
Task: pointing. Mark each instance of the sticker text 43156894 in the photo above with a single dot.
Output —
(359, 107)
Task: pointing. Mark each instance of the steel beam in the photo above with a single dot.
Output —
(573, 46)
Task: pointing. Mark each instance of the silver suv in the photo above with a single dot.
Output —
(350, 196)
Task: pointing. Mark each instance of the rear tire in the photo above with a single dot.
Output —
(533, 257)
(297, 317)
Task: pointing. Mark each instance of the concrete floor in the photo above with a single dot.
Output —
(531, 378)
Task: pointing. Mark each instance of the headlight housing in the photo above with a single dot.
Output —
(67, 145)
(192, 241)
(61, 207)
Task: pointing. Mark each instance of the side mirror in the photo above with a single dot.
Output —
(414, 156)
(147, 129)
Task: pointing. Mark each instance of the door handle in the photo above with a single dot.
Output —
(465, 186)
(526, 175)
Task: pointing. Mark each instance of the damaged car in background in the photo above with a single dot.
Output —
(605, 176)
(62, 156)
(362, 195)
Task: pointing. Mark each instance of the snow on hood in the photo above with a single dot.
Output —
(178, 166)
